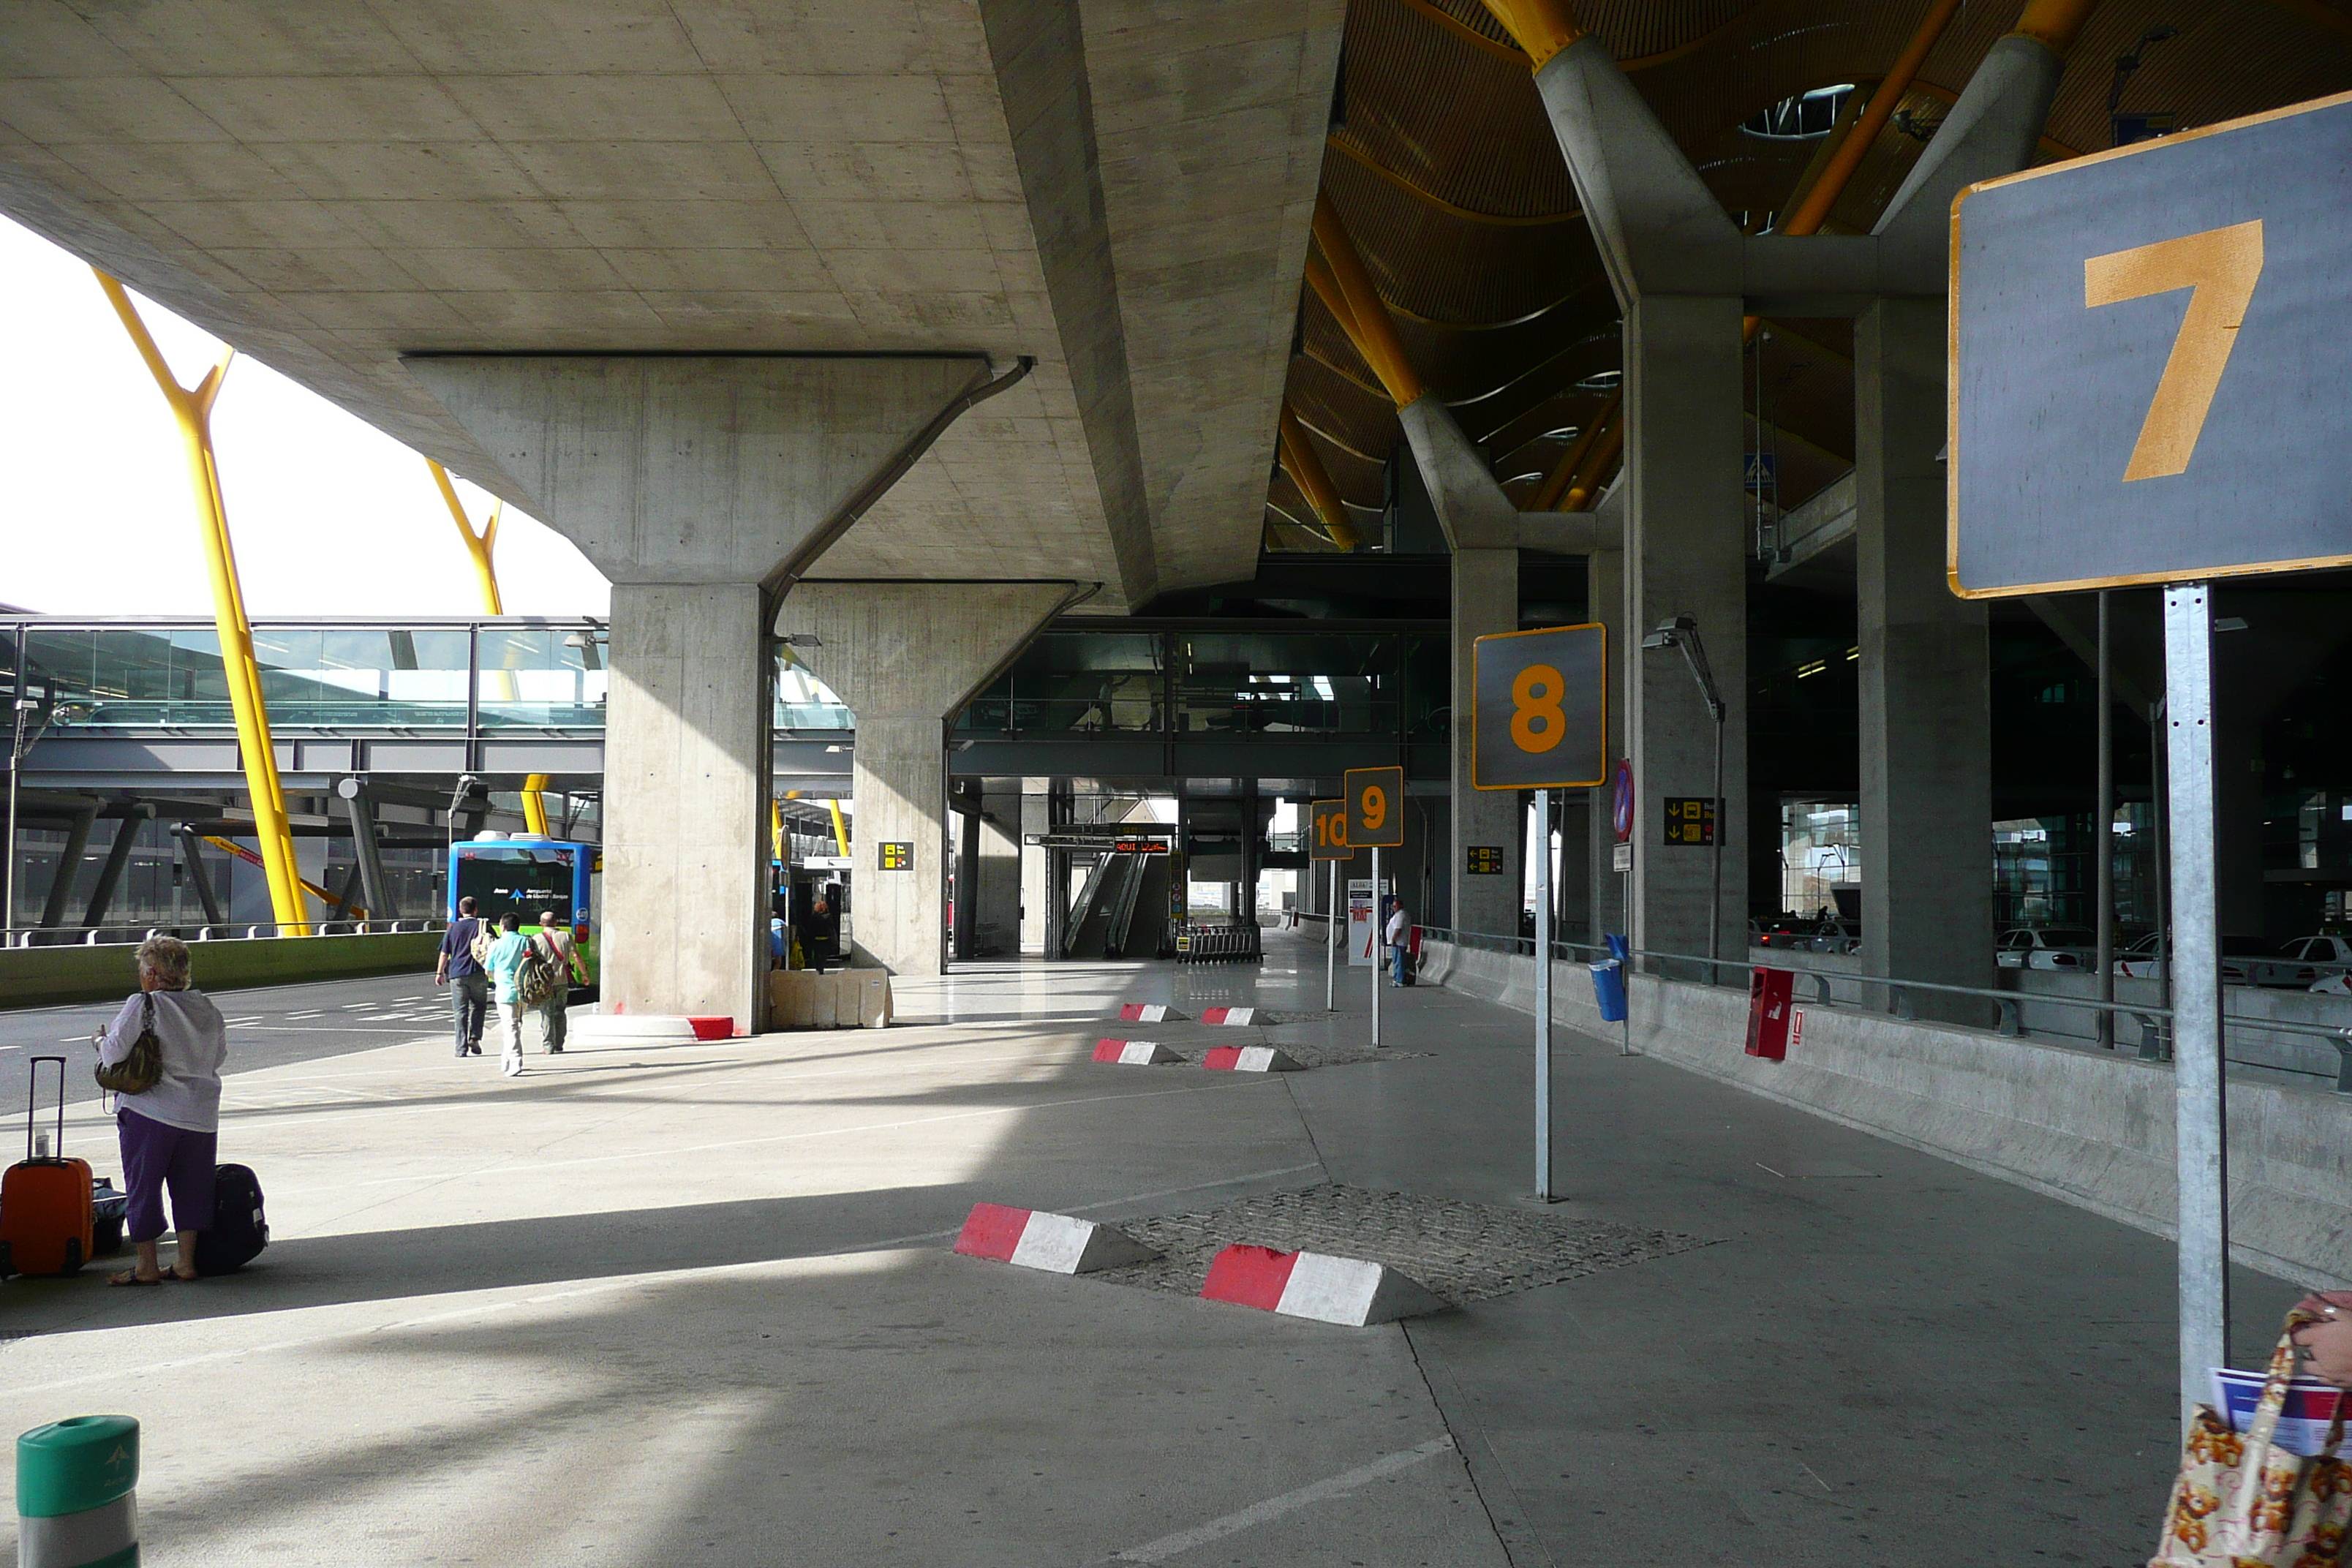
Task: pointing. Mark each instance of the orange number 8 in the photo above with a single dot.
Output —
(1374, 807)
(1538, 724)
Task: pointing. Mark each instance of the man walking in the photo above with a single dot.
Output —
(470, 988)
(558, 939)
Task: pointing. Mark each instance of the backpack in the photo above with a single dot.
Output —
(542, 975)
(480, 946)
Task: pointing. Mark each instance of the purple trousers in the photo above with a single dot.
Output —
(156, 1154)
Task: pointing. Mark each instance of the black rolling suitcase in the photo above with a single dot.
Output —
(239, 1229)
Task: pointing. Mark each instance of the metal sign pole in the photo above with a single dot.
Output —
(1380, 934)
(1331, 939)
(1543, 995)
(2195, 964)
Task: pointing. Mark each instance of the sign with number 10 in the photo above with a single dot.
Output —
(1541, 710)
(1375, 807)
(1329, 840)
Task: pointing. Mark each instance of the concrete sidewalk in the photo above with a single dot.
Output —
(696, 1304)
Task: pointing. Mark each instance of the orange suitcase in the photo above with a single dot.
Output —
(46, 1213)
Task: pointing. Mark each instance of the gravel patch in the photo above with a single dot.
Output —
(1463, 1252)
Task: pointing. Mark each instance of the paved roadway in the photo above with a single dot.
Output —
(270, 1025)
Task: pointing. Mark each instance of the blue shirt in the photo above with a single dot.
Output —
(457, 947)
(506, 964)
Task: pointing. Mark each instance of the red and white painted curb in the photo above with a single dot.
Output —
(1248, 1058)
(1052, 1242)
(1350, 1291)
(1135, 1053)
(1149, 1013)
(1229, 1015)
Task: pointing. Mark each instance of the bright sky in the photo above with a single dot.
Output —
(329, 515)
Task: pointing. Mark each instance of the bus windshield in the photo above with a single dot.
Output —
(526, 879)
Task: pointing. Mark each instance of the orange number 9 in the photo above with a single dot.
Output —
(1374, 807)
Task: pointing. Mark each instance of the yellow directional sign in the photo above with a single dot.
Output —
(1375, 807)
(1540, 708)
(2148, 361)
(1329, 839)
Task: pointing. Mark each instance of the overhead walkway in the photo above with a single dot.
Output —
(698, 1304)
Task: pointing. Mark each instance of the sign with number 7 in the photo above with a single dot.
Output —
(2148, 359)
(1375, 809)
(1540, 708)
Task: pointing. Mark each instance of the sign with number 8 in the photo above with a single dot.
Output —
(1375, 809)
(1540, 710)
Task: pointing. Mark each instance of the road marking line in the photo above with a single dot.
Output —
(1274, 1508)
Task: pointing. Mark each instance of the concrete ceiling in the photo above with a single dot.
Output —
(1120, 188)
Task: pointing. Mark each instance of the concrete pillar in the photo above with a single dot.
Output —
(1685, 554)
(685, 799)
(904, 658)
(1034, 901)
(1485, 601)
(1927, 723)
(1482, 527)
(700, 486)
(996, 919)
(1605, 602)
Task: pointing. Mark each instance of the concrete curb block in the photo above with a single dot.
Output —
(1350, 1291)
(635, 1029)
(1135, 1053)
(1248, 1058)
(1149, 1013)
(1052, 1242)
(1232, 1015)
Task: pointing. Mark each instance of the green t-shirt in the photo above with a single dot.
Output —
(506, 964)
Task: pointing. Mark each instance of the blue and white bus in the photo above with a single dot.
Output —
(530, 877)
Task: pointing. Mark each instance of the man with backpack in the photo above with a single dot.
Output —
(460, 969)
(549, 970)
(505, 962)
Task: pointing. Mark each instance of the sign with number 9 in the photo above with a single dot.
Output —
(1540, 710)
(1375, 801)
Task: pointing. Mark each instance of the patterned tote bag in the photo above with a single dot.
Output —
(2244, 1502)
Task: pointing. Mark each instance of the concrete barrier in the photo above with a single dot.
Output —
(1349, 1291)
(40, 976)
(2090, 1127)
(1135, 1053)
(1031, 1238)
(839, 999)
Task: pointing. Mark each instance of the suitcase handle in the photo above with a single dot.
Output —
(32, 1098)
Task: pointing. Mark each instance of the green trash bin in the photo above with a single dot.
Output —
(77, 1494)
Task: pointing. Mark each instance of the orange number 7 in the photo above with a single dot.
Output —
(2222, 265)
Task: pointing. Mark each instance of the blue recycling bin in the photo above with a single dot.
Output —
(1608, 980)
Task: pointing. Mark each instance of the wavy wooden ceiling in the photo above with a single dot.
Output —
(1442, 165)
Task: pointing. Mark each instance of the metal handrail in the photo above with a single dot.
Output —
(2154, 1044)
(215, 930)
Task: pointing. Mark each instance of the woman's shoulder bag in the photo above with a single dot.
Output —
(138, 1072)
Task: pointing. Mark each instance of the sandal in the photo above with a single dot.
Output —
(130, 1277)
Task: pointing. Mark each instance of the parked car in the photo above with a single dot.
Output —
(2327, 955)
(2046, 947)
(2249, 960)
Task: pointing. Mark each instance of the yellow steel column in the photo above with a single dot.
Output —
(480, 546)
(192, 407)
(1314, 480)
(840, 834)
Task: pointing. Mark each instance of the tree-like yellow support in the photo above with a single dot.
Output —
(481, 546)
(192, 407)
(1313, 479)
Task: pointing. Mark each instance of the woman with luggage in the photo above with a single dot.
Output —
(171, 1131)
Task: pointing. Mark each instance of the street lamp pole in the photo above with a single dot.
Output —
(1682, 632)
